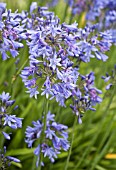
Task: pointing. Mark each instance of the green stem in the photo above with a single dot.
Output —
(43, 131)
(15, 77)
(45, 115)
(1, 135)
(0, 140)
(70, 150)
(34, 163)
(18, 72)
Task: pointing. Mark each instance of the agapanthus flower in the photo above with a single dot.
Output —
(11, 33)
(55, 51)
(85, 96)
(6, 107)
(102, 12)
(33, 6)
(54, 138)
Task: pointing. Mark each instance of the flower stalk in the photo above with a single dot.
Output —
(71, 145)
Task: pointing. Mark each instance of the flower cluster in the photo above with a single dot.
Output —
(78, 6)
(54, 138)
(85, 96)
(101, 11)
(11, 32)
(110, 78)
(55, 53)
(104, 10)
(5, 119)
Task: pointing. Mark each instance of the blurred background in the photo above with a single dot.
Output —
(94, 146)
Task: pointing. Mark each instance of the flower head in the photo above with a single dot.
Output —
(6, 106)
(55, 138)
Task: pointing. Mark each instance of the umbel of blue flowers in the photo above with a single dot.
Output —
(85, 96)
(11, 32)
(11, 121)
(5, 118)
(55, 54)
(54, 138)
(102, 12)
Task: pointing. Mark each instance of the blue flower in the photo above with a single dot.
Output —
(102, 12)
(12, 121)
(4, 97)
(54, 62)
(50, 133)
(33, 6)
(8, 120)
(33, 92)
(55, 138)
(55, 51)
(50, 152)
(11, 32)
(85, 96)
(12, 159)
(47, 91)
(33, 133)
(6, 135)
(70, 28)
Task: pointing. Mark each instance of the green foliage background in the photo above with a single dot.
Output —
(94, 142)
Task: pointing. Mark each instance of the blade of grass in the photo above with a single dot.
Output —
(70, 150)
(103, 152)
